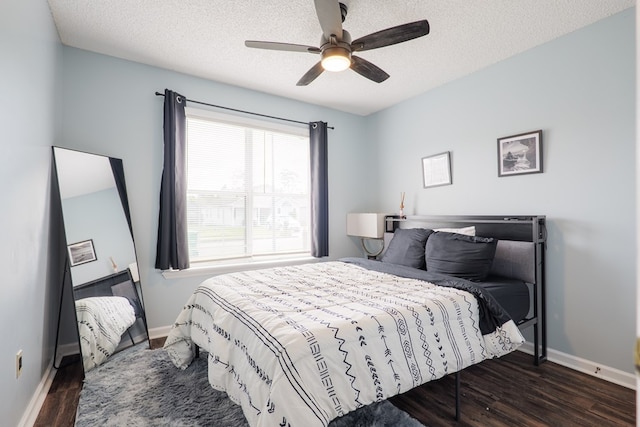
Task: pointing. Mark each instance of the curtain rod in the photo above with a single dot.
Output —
(243, 111)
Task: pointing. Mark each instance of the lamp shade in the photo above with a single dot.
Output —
(369, 225)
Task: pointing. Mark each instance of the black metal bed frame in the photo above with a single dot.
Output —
(518, 228)
(525, 228)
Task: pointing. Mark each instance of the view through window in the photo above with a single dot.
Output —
(248, 188)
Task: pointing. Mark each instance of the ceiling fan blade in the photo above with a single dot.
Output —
(330, 18)
(390, 36)
(281, 46)
(311, 75)
(368, 70)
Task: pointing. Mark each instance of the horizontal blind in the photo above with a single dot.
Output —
(248, 191)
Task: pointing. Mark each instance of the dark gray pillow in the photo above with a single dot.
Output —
(407, 247)
(467, 257)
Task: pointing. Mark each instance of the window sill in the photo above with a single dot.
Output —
(213, 269)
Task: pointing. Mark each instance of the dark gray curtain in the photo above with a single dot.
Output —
(117, 168)
(319, 190)
(173, 248)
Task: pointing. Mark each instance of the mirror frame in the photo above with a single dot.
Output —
(124, 283)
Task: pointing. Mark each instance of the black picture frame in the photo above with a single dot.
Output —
(81, 252)
(436, 170)
(520, 154)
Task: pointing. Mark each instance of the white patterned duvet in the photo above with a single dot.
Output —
(101, 323)
(302, 345)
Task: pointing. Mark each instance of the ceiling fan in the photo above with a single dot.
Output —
(336, 47)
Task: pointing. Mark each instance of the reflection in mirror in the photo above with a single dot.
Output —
(101, 255)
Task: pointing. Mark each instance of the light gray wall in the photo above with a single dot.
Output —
(30, 57)
(98, 216)
(580, 90)
(110, 108)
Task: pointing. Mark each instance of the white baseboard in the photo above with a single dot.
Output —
(613, 375)
(39, 396)
(31, 414)
(160, 332)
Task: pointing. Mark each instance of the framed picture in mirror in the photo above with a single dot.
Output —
(82, 252)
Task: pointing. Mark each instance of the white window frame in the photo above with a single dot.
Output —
(249, 263)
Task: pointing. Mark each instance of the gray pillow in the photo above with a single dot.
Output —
(467, 257)
(407, 247)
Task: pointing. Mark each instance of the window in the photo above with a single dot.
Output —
(248, 188)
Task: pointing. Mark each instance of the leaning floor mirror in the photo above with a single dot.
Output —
(101, 256)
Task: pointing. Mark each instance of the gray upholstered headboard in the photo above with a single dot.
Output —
(515, 259)
(517, 255)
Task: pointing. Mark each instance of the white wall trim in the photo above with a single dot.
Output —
(160, 332)
(35, 405)
(33, 409)
(612, 375)
(207, 270)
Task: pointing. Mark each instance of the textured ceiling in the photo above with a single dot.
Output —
(205, 38)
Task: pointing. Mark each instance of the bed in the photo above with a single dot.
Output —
(101, 323)
(303, 345)
(106, 309)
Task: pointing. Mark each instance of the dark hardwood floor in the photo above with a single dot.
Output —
(59, 408)
(509, 391)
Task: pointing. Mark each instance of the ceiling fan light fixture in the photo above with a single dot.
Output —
(336, 59)
(336, 46)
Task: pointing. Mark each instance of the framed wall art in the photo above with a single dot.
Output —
(436, 170)
(520, 154)
(81, 252)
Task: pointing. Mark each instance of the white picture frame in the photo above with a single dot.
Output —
(436, 170)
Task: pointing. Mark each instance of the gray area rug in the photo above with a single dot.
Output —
(141, 387)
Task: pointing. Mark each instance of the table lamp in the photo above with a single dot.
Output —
(367, 226)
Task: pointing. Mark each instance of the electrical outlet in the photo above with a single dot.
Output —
(18, 364)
